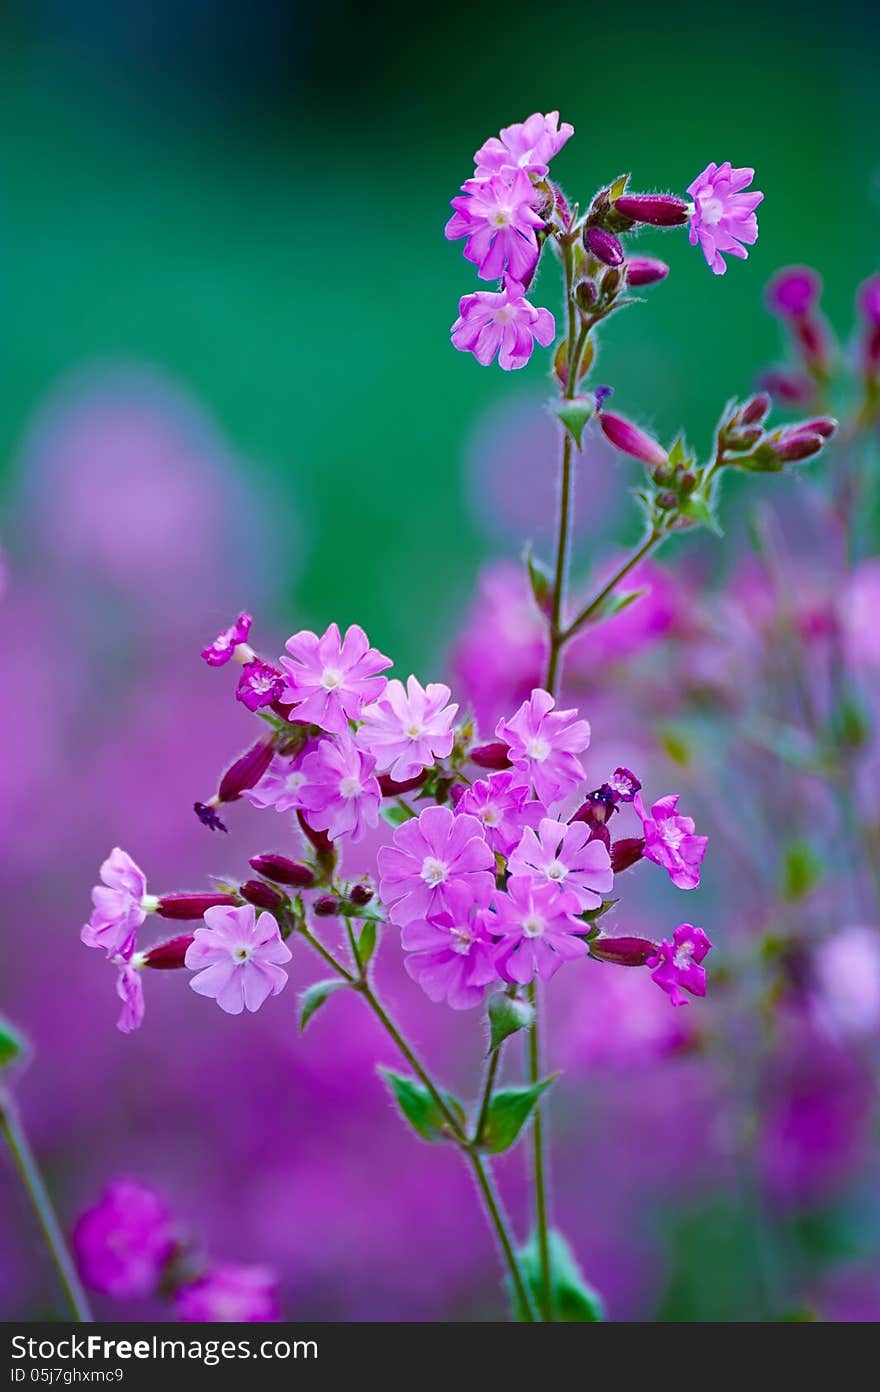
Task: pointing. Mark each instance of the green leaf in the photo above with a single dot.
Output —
(574, 1300)
(508, 1113)
(618, 187)
(13, 1046)
(506, 1016)
(371, 912)
(574, 413)
(419, 1108)
(541, 582)
(314, 997)
(615, 603)
(395, 815)
(700, 510)
(801, 870)
(366, 943)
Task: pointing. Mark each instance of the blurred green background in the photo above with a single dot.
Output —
(252, 197)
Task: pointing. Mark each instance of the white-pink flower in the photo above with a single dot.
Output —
(339, 793)
(280, 785)
(562, 854)
(529, 145)
(408, 728)
(724, 216)
(502, 322)
(331, 679)
(543, 743)
(431, 855)
(120, 906)
(498, 218)
(238, 958)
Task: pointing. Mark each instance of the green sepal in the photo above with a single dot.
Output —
(699, 509)
(541, 582)
(13, 1045)
(574, 412)
(366, 942)
(507, 1015)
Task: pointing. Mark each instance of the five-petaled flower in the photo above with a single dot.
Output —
(502, 322)
(451, 955)
(528, 145)
(340, 794)
(563, 855)
(544, 743)
(259, 684)
(503, 804)
(498, 218)
(538, 929)
(331, 679)
(723, 219)
(670, 840)
(431, 854)
(676, 964)
(408, 727)
(238, 958)
(120, 906)
(280, 785)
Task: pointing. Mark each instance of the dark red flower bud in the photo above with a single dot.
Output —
(319, 839)
(792, 388)
(247, 770)
(755, 409)
(826, 426)
(361, 894)
(491, 756)
(811, 336)
(657, 209)
(262, 895)
(283, 871)
(626, 851)
(604, 245)
(327, 906)
(167, 956)
(190, 905)
(791, 449)
(623, 952)
(390, 788)
(645, 270)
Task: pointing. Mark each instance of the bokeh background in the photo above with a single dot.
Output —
(227, 382)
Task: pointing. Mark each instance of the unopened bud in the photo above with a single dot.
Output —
(627, 851)
(190, 906)
(586, 295)
(604, 246)
(283, 871)
(623, 952)
(793, 293)
(791, 449)
(491, 756)
(645, 270)
(319, 839)
(826, 426)
(755, 410)
(390, 788)
(610, 282)
(168, 956)
(633, 441)
(262, 895)
(656, 209)
(361, 894)
(327, 906)
(791, 388)
(247, 770)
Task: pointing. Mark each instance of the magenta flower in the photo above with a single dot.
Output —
(280, 785)
(229, 1294)
(676, 964)
(498, 218)
(408, 728)
(538, 928)
(120, 904)
(218, 653)
(529, 145)
(563, 855)
(626, 436)
(503, 804)
(723, 219)
(130, 990)
(794, 292)
(123, 1242)
(504, 323)
(339, 794)
(259, 684)
(624, 784)
(543, 743)
(452, 956)
(432, 854)
(331, 679)
(238, 958)
(670, 841)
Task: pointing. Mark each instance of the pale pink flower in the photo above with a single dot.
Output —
(339, 794)
(498, 218)
(452, 956)
(238, 958)
(528, 145)
(280, 785)
(723, 219)
(504, 323)
(431, 854)
(331, 679)
(538, 929)
(502, 802)
(670, 841)
(221, 651)
(120, 906)
(408, 728)
(130, 990)
(229, 1294)
(676, 966)
(543, 743)
(562, 854)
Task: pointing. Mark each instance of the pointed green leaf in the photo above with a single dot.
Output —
(315, 996)
(372, 912)
(419, 1108)
(13, 1046)
(541, 582)
(506, 1016)
(509, 1111)
(699, 509)
(366, 943)
(615, 603)
(574, 1300)
(678, 455)
(574, 413)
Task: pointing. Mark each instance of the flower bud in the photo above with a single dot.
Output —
(792, 448)
(657, 209)
(791, 388)
(755, 410)
(626, 851)
(826, 426)
(327, 906)
(604, 246)
(262, 895)
(793, 293)
(361, 894)
(190, 905)
(623, 952)
(645, 270)
(491, 756)
(319, 839)
(610, 282)
(168, 956)
(586, 295)
(247, 770)
(811, 336)
(633, 441)
(283, 871)
(390, 788)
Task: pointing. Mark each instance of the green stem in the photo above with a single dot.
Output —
(491, 1075)
(652, 540)
(499, 1222)
(25, 1161)
(538, 1167)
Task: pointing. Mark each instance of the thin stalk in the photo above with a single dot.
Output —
(491, 1075)
(653, 538)
(538, 1167)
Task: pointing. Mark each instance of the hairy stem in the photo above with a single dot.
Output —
(491, 1075)
(538, 1165)
(651, 541)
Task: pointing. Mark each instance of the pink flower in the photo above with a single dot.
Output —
(631, 440)
(498, 218)
(408, 728)
(339, 793)
(539, 930)
(123, 1242)
(503, 323)
(238, 958)
(452, 957)
(332, 679)
(280, 785)
(563, 855)
(504, 806)
(229, 1294)
(543, 743)
(259, 684)
(794, 292)
(431, 854)
(723, 217)
(676, 964)
(120, 906)
(670, 841)
(130, 990)
(529, 145)
(218, 653)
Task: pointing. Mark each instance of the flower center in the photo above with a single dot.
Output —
(683, 955)
(461, 941)
(350, 787)
(711, 210)
(490, 816)
(415, 731)
(557, 871)
(672, 835)
(331, 678)
(533, 925)
(294, 781)
(537, 748)
(434, 871)
(242, 953)
(262, 684)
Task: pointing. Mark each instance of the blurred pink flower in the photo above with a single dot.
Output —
(528, 145)
(130, 990)
(229, 1294)
(119, 907)
(124, 1241)
(218, 653)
